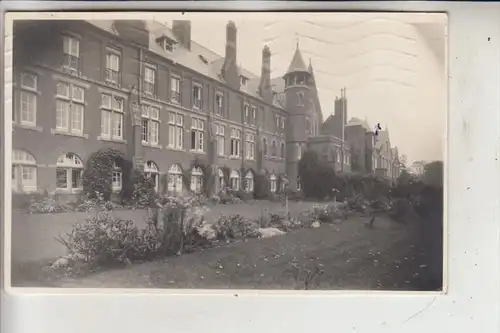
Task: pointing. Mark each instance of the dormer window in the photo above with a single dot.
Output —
(166, 43)
(243, 81)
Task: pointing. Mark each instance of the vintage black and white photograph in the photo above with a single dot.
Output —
(262, 151)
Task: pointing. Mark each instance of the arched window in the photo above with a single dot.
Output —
(175, 179)
(264, 146)
(298, 184)
(282, 150)
(69, 169)
(220, 177)
(249, 185)
(196, 179)
(24, 171)
(273, 149)
(299, 151)
(152, 173)
(284, 182)
(235, 180)
(274, 183)
(117, 178)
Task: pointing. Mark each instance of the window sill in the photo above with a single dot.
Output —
(112, 83)
(197, 109)
(232, 157)
(100, 138)
(62, 132)
(67, 191)
(192, 151)
(175, 149)
(27, 127)
(150, 145)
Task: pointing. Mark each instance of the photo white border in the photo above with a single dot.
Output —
(473, 216)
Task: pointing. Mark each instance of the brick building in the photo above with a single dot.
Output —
(159, 97)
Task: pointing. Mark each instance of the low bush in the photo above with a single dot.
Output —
(234, 227)
(104, 240)
(47, 205)
(326, 213)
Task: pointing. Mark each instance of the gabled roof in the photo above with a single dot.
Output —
(199, 58)
(297, 64)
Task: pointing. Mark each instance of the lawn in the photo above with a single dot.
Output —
(350, 256)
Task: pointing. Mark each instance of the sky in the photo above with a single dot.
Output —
(393, 66)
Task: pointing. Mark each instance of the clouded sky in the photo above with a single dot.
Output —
(392, 65)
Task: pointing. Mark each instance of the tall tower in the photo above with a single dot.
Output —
(299, 102)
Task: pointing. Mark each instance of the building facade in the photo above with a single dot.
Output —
(161, 99)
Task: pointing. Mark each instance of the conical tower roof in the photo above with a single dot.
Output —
(297, 64)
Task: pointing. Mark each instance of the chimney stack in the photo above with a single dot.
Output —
(230, 68)
(265, 89)
(182, 31)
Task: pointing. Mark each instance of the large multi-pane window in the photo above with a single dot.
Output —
(71, 51)
(116, 178)
(250, 146)
(196, 180)
(249, 184)
(254, 115)
(221, 182)
(175, 179)
(113, 65)
(28, 99)
(234, 178)
(150, 124)
(274, 183)
(175, 89)
(149, 80)
(197, 135)
(69, 169)
(70, 108)
(219, 103)
(111, 117)
(235, 142)
(246, 115)
(175, 131)
(220, 134)
(24, 171)
(273, 149)
(197, 96)
(152, 174)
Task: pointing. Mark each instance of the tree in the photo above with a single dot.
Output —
(317, 177)
(433, 174)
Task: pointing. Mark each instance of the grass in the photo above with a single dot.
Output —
(350, 256)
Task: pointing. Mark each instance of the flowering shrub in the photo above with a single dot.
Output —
(47, 205)
(105, 240)
(143, 192)
(97, 203)
(97, 173)
(235, 226)
(325, 213)
(284, 223)
(182, 221)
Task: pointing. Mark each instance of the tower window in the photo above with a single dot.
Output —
(300, 98)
